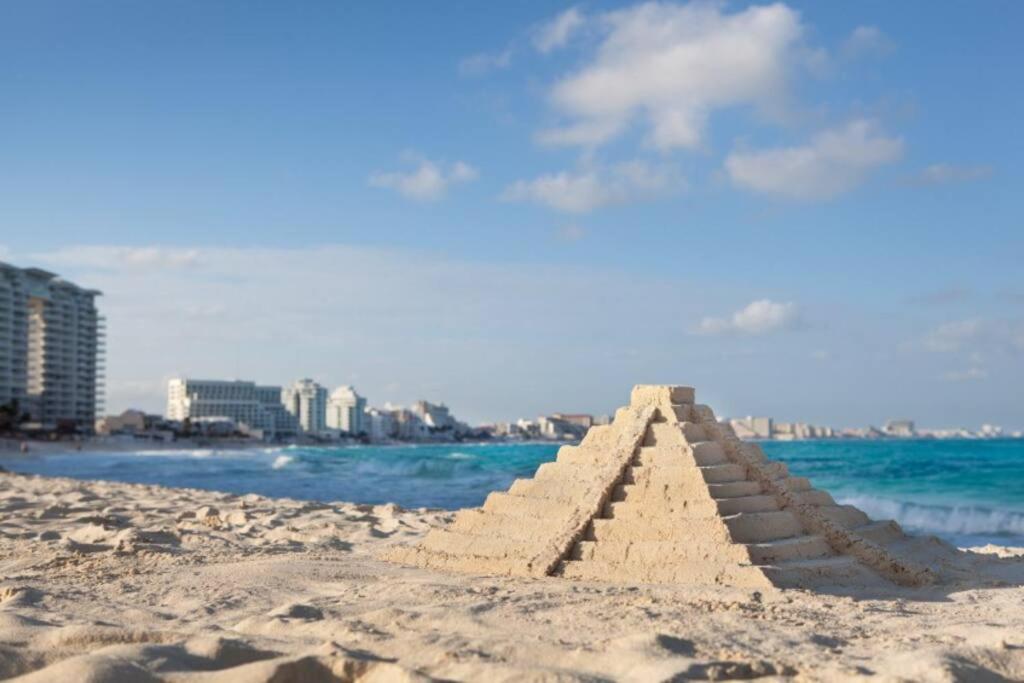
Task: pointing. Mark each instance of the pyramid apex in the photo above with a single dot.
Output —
(671, 394)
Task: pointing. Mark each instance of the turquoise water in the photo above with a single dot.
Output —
(969, 492)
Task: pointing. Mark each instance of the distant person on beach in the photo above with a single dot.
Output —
(24, 446)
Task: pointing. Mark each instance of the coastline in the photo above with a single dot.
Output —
(111, 581)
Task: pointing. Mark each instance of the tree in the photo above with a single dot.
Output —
(10, 416)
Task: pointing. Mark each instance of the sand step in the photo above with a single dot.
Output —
(507, 504)
(837, 570)
(678, 529)
(815, 497)
(663, 434)
(693, 432)
(717, 474)
(673, 474)
(757, 503)
(798, 483)
(655, 552)
(512, 527)
(708, 453)
(549, 489)
(846, 516)
(795, 548)
(777, 470)
(700, 454)
(758, 527)
(734, 489)
(883, 532)
(649, 507)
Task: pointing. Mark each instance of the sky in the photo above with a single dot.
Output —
(805, 210)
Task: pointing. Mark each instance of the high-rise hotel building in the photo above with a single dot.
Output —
(51, 348)
(258, 407)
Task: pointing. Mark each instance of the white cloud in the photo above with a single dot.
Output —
(975, 335)
(591, 188)
(673, 65)
(557, 32)
(428, 181)
(484, 62)
(758, 317)
(971, 374)
(572, 232)
(144, 258)
(953, 336)
(833, 162)
(335, 311)
(942, 174)
(4, 252)
(867, 41)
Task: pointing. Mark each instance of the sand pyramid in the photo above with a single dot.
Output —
(668, 494)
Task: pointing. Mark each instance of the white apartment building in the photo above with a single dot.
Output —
(307, 401)
(346, 411)
(257, 407)
(51, 347)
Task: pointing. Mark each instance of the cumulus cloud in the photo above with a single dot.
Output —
(833, 162)
(757, 317)
(485, 62)
(671, 66)
(588, 189)
(976, 334)
(427, 181)
(942, 174)
(867, 41)
(557, 32)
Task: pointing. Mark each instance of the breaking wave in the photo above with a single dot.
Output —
(282, 461)
(958, 520)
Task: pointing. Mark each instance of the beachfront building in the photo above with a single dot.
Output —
(307, 401)
(752, 427)
(581, 420)
(51, 348)
(257, 407)
(559, 429)
(380, 425)
(900, 428)
(346, 411)
(435, 416)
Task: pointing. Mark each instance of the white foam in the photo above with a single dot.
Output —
(282, 461)
(941, 519)
(460, 456)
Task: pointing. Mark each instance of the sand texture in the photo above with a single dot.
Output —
(117, 582)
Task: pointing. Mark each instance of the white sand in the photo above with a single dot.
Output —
(115, 582)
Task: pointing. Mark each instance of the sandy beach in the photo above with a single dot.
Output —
(116, 582)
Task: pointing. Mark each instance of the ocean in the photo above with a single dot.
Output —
(966, 491)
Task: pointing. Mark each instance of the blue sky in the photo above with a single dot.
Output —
(808, 210)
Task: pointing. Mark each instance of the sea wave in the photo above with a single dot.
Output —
(460, 456)
(942, 519)
(282, 461)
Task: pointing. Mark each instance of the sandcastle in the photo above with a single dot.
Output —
(666, 493)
